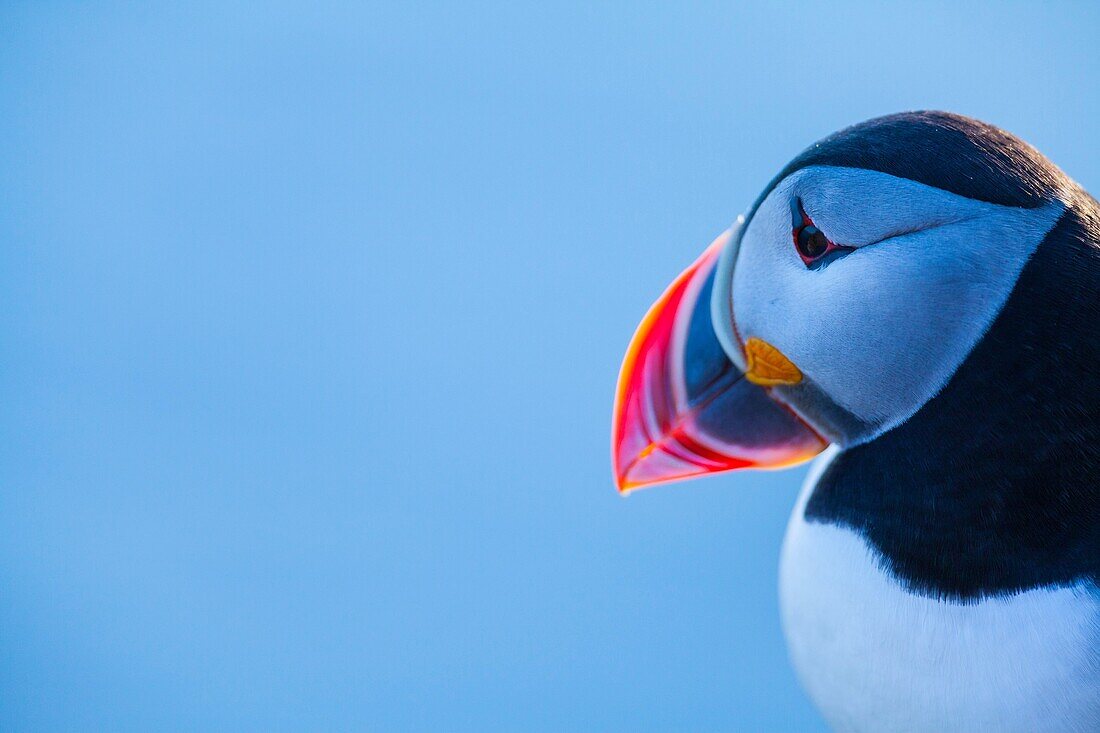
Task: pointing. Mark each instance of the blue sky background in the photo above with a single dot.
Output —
(310, 318)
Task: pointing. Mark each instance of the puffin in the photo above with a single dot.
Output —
(913, 302)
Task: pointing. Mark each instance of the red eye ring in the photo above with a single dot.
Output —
(810, 243)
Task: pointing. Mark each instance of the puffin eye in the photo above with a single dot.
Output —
(810, 242)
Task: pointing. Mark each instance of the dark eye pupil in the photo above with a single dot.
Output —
(812, 242)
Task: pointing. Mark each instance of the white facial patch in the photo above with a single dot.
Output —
(881, 329)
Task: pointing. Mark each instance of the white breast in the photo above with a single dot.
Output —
(875, 657)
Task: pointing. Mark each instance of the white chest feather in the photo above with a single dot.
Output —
(875, 657)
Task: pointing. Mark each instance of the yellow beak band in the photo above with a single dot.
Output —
(767, 366)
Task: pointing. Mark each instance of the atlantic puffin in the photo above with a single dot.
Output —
(915, 300)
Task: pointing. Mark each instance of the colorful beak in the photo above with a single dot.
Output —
(684, 409)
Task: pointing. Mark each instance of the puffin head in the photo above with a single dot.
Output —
(853, 289)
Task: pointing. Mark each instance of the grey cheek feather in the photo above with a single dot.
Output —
(879, 332)
(831, 420)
